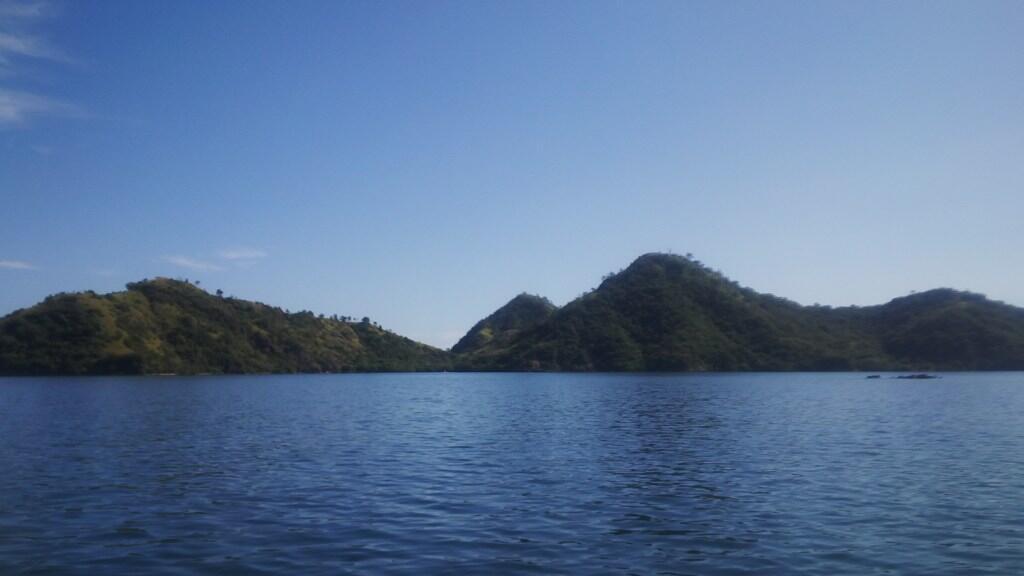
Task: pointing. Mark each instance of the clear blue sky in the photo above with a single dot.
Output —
(423, 162)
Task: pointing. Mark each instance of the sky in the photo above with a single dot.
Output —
(421, 163)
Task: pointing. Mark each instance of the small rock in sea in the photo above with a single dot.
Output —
(917, 376)
(873, 376)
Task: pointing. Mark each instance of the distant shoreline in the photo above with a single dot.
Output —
(885, 374)
(664, 313)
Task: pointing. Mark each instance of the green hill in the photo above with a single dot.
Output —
(501, 328)
(662, 313)
(671, 313)
(169, 326)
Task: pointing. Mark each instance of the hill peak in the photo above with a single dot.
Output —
(938, 295)
(527, 299)
(666, 261)
(522, 312)
(162, 282)
(659, 259)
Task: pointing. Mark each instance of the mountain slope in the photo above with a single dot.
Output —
(671, 313)
(662, 313)
(951, 330)
(169, 326)
(495, 331)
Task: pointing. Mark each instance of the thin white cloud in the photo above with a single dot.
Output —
(190, 263)
(16, 41)
(18, 107)
(14, 45)
(26, 10)
(242, 254)
(16, 265)
(20, 49)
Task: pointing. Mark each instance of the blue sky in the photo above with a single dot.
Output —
(423, 162)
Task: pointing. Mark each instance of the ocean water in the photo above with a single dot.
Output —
(513, 474)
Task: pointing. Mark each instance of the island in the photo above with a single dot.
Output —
(664, 312)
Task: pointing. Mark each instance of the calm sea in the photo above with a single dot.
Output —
(513, 474)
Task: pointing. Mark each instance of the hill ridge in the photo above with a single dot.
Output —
(172, 326)
(672, 312)
(663, 312)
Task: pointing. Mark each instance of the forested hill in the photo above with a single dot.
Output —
(171, 326)
(500, 328)
(669, 312)
(662, 313)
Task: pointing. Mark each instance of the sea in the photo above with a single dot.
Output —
(445, 473)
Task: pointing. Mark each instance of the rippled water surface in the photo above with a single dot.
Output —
(513, 474)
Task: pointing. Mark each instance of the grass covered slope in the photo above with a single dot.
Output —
(169, 326)
(671, 313)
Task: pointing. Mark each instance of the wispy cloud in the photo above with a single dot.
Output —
(242, 254)
(13, 45)
(17, 41)
(234, 257)
(19, 48)
(23, 9)
(17, 107)
(191, 263)
(16, 265)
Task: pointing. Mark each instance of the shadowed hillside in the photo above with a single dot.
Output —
(671, 313)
